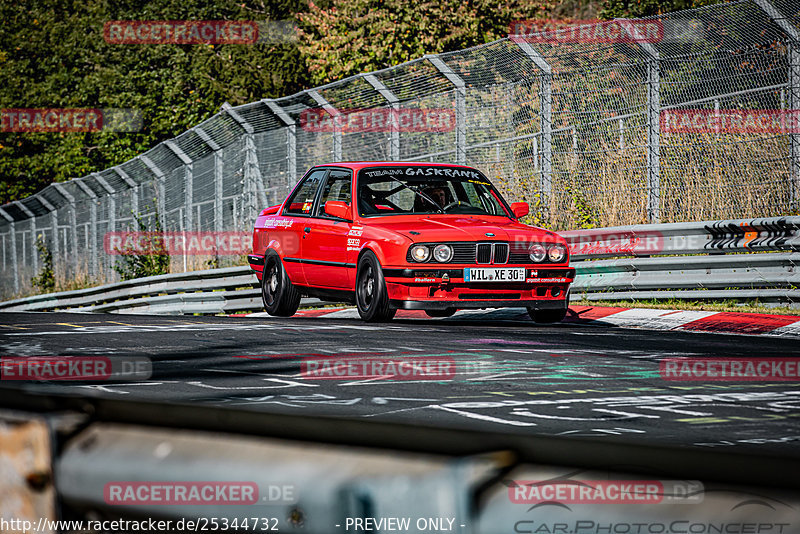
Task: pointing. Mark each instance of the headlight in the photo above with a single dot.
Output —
(537, 252)
(420, 253)
(556, 253)
(443, 253)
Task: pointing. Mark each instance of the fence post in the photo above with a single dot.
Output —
(291, 142)
(54, 225)
(92, 225)
(73, 224)
(334, 113)
(34, 253)
(12, 230)
(189, 186)
(793, 63)
(252, 172)
(461, 106)
(111, 208)
(545, 116)
(134, 189)
(394, 102)
(161, 194)
(218, 168)
(653, 120)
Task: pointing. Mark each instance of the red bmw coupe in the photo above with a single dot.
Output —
(420, 236)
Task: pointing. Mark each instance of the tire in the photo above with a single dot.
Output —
(447, 312)
(372, 299)
(547, 316)
(280, 297)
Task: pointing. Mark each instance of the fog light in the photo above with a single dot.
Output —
(556, 291)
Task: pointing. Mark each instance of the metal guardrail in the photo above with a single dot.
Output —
(703, 237)
(707, 260)
(211, 291)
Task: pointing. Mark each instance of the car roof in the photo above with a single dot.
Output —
(356, 165)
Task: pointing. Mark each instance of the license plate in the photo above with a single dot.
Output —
(494, 274)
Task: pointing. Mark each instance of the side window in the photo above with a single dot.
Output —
(337, 187)
(302, 200)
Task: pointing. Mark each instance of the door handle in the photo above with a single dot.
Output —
(307, 229)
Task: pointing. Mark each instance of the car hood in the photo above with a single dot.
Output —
(440, 228)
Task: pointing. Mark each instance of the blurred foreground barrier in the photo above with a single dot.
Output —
(708, 260)
(118, 459)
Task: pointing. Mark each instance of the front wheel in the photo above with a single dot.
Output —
(547, 316)
(280, 297)
(372, 299)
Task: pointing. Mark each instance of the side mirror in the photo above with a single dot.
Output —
(520, 209)
(336, 208)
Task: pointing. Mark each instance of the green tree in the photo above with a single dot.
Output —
(53, 55)
(344, 37)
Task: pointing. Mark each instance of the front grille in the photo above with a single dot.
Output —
(501, 252)
(519, 257)
(484, 254)
(463, 252)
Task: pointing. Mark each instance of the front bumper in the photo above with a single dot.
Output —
(438, 289)
(476, 304)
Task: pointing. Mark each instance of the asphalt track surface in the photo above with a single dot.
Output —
(568, 379)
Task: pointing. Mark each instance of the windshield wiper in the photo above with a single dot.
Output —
(420, 193)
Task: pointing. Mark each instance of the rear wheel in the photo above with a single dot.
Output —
(447, 312)
(280, 297)
(547, 316)
(372, 298)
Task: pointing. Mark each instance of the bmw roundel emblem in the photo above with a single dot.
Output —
(489, 234)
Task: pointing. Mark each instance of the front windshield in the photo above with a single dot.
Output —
(416, 189)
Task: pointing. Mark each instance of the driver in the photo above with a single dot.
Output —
(438, 194)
